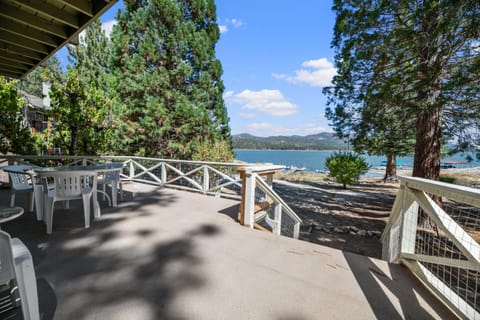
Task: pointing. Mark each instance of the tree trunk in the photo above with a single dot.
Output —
(391, 170)
(426, 163)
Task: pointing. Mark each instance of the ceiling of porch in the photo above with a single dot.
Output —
(31, 30)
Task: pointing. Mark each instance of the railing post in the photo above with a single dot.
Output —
(164, 174)
(277, 210)
(132, 170)
(84, 162)
(206, 179)
(249, 199)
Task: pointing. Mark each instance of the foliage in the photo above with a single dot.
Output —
(212, 150)
(167, 77)
(80, 116)
(14, 135)
(346, 167)
(415, 61)
(90, 58)
(32, 83)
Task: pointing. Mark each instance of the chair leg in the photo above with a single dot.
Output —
(12, 198)
(104, 187)
(31, 200)
(121, 190)
(86, 209)
(49, 214)
(114, 194)
(39, 201)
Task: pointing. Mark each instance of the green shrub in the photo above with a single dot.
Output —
(216, 151)
(346, 167)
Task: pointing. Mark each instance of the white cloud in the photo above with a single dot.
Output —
(247, 115)
(316, 73)
(108, 26)
(271, 102)
(237, 23)
(266, 129)
(223, 28)
(228, 94)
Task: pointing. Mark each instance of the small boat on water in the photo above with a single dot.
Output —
(292, 169)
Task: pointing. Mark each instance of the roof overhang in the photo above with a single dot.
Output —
(31, 31)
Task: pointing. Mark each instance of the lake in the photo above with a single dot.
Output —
(315, 160)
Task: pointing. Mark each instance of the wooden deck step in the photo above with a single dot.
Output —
(262, 205)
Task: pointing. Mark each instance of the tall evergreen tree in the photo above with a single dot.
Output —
(90, 57)
(169, 81)
(32, 83)
(420, 56)
(79, 112)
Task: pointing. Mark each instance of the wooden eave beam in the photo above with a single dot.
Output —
(8, 74)
(50, 11)
(13, 49)
(17, 58)
(13, 65)
(24, 42)
(4, 69)
(83, 6)
(30, 33)
(32, 20)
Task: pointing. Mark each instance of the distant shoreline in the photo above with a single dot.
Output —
(307, 150)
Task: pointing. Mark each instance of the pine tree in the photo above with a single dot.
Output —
(90, 57)
(168, 79)
(80, 117)
(420, 56)
(32, 84)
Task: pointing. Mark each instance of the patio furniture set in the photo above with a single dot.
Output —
(45, 186)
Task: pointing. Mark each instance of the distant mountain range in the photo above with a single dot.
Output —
(320, 141)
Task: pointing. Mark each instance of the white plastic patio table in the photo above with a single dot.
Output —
(88, 170)
(9, 213)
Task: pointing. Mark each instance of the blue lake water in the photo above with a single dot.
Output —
(315, 160)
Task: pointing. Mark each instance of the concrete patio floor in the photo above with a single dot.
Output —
(169, 254)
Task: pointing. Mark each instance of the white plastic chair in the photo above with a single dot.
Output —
(21, 182)
(112, 178)
(17, 271)
(69, 186)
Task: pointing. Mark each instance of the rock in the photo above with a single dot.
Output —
(337, 230)
(362, 233)
(377, 234)
(369, 233)
(354, 229)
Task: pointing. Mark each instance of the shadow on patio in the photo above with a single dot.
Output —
(168, 254)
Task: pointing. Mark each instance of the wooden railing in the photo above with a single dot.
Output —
(232, 180)
(213, 178)
(261, 203)
(438, 240)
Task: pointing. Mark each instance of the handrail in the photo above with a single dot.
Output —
(273, 195)
(208, 177)
(251, 181)
(437, 241)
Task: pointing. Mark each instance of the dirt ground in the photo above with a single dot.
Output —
(350, 220)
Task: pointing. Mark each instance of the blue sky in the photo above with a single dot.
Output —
(276, 58)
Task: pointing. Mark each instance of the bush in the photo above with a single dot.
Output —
(346, 167)
(216, 151)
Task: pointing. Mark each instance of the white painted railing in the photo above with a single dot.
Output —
(279, 216)
(439, 243)
(213, 178)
